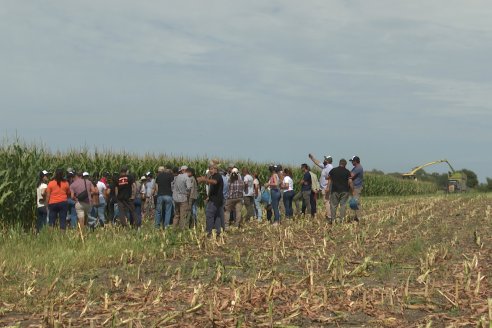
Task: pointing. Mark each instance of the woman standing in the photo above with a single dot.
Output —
(41, 211)
(57, 194)
(288, 195)
(102, 189)
(274, 185)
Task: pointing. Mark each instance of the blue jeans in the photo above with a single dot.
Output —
(72, 213)
(58, 210)
(258, 209)
(138, 211)
(161, 202)
(194, 213)
(275, 202)
(42, 215)
(288, 196)
(213, 218)
(101, 212)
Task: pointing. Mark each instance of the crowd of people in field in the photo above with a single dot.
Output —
(170, 197)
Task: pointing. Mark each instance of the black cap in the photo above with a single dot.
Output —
(355, 159)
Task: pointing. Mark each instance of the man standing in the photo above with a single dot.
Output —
(306, 188)
(358, 182)
(181, 194)
(235, 196)
(163, 192)
(339, 183)
(215, 199)
(82, 191)
(249, 192)
(323, 180)
(125, 191)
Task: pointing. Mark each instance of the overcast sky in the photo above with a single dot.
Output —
(398, 83)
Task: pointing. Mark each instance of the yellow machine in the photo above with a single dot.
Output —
(456, 180)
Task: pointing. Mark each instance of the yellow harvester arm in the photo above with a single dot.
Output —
(414, 171)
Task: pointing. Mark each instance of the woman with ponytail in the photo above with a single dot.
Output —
(56, 196)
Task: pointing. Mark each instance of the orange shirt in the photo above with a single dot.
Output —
(58, 193)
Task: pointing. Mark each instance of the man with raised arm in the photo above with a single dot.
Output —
(326, 167)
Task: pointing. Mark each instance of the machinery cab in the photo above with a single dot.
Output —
(457, 182)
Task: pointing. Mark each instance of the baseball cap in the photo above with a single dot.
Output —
(355, 159)
(85, 174)
(44, 172)
(235, 170)
(328, 157)
(143, 178)
(183, 168)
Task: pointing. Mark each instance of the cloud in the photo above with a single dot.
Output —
(399, 73)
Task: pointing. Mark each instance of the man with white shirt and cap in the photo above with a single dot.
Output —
(326, 167)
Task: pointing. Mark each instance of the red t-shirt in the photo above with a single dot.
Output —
(57, 193)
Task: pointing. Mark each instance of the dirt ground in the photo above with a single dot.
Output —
(416, 261)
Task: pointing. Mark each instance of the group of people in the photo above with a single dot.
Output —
(171, 198)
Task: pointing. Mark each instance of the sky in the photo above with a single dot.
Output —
(398, 83)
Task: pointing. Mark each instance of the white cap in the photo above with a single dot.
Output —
(184, 167)
(143, 178)
(45, 172)
(235, 170)
(85, 174)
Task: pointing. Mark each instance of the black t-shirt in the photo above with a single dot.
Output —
(340, 179)
(164, 181)
(125, 183)
(215, 194)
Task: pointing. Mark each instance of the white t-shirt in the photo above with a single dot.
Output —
(249, 181)
(288, 181)
(101, 187)
(39, 194)
(324, 176)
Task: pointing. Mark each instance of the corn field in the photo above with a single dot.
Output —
(21, 163)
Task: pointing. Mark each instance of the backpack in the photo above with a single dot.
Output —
(266, 197)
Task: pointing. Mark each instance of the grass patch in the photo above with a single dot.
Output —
(411, 249)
